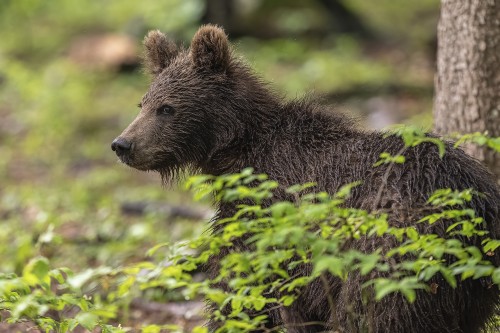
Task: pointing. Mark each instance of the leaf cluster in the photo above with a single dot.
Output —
(262, 252)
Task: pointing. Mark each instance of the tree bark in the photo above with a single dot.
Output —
(468, 73)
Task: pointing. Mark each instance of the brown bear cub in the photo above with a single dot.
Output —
(206, 111)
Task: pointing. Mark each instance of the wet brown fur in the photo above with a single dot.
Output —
(225, 119)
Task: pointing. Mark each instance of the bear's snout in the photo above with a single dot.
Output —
(121, 146)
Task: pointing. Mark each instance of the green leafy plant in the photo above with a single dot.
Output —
(312, 229)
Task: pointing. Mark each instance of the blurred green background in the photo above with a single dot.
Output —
(70, 79)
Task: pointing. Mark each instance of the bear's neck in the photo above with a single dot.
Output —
(293, 132)
(262, 127)
(250, 111)
(255, 104)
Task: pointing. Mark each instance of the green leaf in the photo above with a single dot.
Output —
(409, 293)
(384, 287)
(281, 209)
(333, 265)
(57, 275)
(406, 286)
(412, 233)
(78, 280)
(200, 329)
(36, 272)
(368, 262)
(449, 277)
(155, 248)
(482, 271)
(345, 191)
(490, 245)
(496, 276)
(287, 300)
(300, 187)
(87, 319)
(151, 329)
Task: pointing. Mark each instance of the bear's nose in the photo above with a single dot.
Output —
(120, 146)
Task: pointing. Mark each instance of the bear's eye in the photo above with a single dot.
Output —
(165, 110)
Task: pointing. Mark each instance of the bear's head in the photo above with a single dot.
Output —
(190, 107)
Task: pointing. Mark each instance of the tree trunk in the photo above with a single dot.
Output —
(468, 73)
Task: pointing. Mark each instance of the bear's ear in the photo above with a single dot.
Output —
(158, 51)
(210, 48)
